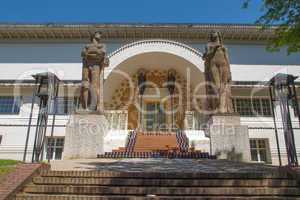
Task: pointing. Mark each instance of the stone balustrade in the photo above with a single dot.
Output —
(118, 119)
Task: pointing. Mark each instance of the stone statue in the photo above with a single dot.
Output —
(217, 76)
(94, 59)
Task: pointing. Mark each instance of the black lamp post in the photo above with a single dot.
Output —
(282, 90)
(46, 90)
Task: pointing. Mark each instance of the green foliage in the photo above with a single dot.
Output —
(285, 14)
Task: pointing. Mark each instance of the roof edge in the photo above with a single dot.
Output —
(139, 31)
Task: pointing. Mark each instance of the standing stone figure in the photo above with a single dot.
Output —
(94, 59)
(217, 76)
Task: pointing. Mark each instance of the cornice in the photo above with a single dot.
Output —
(238, 32)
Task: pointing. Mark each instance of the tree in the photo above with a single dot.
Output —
(285, 15)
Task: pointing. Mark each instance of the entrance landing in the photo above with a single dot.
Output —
(161, 166)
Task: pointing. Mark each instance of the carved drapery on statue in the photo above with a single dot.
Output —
(94, 59)
(217, 76)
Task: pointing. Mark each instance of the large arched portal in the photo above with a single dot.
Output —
(156, 109)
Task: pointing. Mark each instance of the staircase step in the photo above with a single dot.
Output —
(152, 142)
(151, 154)
(164, 191)
(165, 182)
(250, 182)
(162, 175)
(110, 197)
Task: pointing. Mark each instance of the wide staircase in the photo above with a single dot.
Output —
(156, 145)
(98, 185)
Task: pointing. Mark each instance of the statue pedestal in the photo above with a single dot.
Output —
(229, 139)
(85, 136)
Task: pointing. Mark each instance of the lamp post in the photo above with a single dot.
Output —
(282, 90)
(45, 90)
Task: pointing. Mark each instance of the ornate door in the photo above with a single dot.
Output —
(154, 118)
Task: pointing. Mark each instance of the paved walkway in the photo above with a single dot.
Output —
(161, 165)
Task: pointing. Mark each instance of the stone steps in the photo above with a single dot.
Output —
(165, 182)
(154, 142)
(161, 191)
(278, 174)
(257, 183)
(117, 197)
(148, 154)
(142, 145)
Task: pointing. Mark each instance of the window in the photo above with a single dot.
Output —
(256, 107)
(1, 139)
(266, 107)
(243, 106)
(9, 105)
(252, 106)
(258, 148)
(64, 105)
(55, 148)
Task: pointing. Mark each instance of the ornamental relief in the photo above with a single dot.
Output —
(126, 98)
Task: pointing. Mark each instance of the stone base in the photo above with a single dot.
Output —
(88, 112)
(229, 139)
(85, 136)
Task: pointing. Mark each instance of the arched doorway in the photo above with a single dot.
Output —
(157, 58)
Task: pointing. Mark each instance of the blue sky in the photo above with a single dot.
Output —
(128, 11)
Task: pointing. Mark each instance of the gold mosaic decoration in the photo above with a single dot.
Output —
(121, 98)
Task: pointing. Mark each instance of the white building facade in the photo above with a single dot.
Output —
(28, 49)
